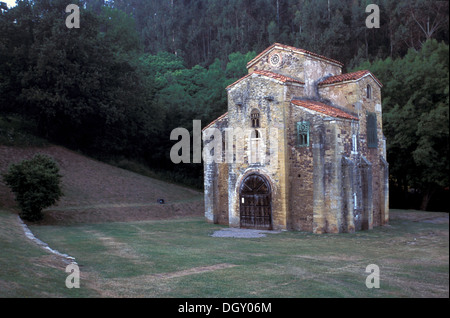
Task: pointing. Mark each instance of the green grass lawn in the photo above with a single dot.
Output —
(179, 258)
(27, 270)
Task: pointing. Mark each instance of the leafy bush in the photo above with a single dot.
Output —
(36, 184)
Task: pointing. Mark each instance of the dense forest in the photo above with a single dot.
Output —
(116, 87)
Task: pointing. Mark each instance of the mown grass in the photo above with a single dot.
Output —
(27, 270)
(159, 259)
(169, 176)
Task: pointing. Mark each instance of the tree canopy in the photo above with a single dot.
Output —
(416, 116)
(135, 70)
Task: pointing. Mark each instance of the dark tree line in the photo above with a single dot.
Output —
(202, 30)
(135, 70)
(94, 89)
(416, 124)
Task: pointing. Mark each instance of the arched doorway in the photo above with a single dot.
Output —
(255, 203)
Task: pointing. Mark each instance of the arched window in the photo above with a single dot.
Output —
(254, 116)
(255, 150)
(369, 92)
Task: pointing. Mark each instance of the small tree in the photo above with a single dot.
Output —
(36, 184)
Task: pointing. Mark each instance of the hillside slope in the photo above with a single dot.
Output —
(97, 192)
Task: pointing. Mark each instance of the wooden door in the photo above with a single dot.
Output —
(255, 203)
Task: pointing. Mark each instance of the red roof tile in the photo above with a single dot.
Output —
(324, 109)
(287, 47)
(215, 121)
(348, 77)
(279, 77)
(282, 78)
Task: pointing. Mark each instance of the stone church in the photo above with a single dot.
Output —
(302, 148)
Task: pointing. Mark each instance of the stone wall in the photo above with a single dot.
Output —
(331, 186)
(337, 143)
(289, 65)
(373, 155)
(301, 170)
(316, 175)
(221, 204)
(215, 177)
(352, 96)
(308, 69)
(253, 94)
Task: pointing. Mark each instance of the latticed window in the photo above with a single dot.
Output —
(255, 118)
(372, 139)
(303, 133)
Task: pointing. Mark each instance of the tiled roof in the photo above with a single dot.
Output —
(215, 121)
(287, 47)
(349, 77)
(313, 105)
(324, 109)
(279, 77)
(282, 78)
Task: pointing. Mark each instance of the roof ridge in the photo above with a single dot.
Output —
(215, 120)
(244, 77)
(323, 108)
(352, 76)
(288, 47)
(276, 76)
(281, 77)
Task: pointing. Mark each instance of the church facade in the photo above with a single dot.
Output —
(302, 148)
